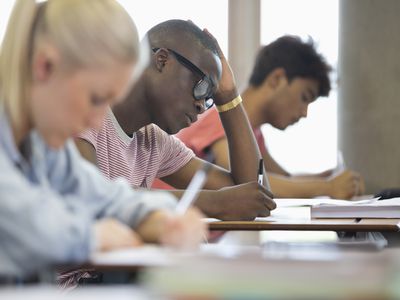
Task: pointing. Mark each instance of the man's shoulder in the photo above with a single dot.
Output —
(91, 134)
(151, 136)
(157, 134)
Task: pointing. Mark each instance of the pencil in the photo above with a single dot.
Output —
(193, 189)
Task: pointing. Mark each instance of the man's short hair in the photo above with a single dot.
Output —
(297, 58)
(186, 30)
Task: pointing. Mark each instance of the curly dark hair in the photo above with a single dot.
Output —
(297, 58)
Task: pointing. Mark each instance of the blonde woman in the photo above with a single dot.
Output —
(62, 63)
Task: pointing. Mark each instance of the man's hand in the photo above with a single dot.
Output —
(227, 90)
(111, 234)
(242, 202)
(346, 185)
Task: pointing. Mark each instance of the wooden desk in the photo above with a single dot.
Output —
(298, 218)
(225, 271)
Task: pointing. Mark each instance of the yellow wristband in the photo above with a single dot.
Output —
(230, 105)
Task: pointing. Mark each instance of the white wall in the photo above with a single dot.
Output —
(311, 144)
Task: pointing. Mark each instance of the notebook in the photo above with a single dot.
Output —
(371, 209)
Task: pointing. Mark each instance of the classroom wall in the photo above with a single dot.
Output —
(244, 38)
(369, 90)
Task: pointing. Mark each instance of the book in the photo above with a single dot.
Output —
(369, 209)
(296, 202)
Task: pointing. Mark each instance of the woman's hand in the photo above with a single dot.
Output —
(111, 234)
(184, 231)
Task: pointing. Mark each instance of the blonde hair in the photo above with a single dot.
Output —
(87, 33)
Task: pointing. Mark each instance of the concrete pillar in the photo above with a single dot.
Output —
(244, 37)
(369, 90)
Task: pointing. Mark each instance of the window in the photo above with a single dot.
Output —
(209, 14)
(310, 145)
(5, 11)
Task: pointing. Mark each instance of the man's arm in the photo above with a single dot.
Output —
(87, 150)
(321, 175)
(239, 202)
(226, 204)
(287, 187)
(342, 186)
(272, 165)
(244, 155)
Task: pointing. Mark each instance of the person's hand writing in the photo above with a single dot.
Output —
(242, 202)
(346, 185)
(185, 231)
(111, 234)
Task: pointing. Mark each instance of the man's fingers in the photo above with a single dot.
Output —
(220, 53)
(265, 213)
(266, 191)
(268, 198)
(270, 204)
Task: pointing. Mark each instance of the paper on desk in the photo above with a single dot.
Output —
(284, 213)
(157, 256)
(147, 255)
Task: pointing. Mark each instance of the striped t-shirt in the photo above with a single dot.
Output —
(150, 153)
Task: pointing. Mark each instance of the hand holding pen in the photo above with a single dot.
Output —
(261, 175)
(261, 172)
(185, 214)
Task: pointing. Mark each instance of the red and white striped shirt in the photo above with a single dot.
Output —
(150, 153)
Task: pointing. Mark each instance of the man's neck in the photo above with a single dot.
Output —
(131, 113)
(254, 101)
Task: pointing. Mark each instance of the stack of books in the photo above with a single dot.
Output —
(371, 209)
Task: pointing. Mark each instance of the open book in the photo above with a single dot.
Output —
(373, 208)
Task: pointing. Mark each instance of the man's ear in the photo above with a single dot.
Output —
(161, 58)
(277, 78)
(43, 63)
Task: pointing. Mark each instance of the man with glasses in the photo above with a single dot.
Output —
(203, 89)
(288, 75)
(186, 76)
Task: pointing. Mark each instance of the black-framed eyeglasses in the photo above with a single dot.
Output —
(203, 89)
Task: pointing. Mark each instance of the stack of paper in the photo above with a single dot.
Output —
(389, 208)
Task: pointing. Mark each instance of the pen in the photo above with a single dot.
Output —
(261, 172)
(194, 187)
